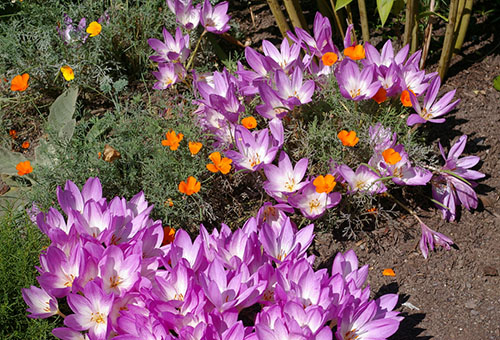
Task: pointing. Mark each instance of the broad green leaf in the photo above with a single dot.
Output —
(62, 110)
(496, 83)
(9, 160)
(66, 132)
(384, 8)
(397, 7)
(341, 4)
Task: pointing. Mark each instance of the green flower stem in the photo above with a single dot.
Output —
(193, 54)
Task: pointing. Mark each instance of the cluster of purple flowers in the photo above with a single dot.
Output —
(172, 53)
(107, 261)
(276, 82)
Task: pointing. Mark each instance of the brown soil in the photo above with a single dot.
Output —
(453, 294)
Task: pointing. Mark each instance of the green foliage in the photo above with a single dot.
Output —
(20, 246)
(384, 8)
(341, 4)
(496, 83)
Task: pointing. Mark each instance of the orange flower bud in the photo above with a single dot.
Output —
(25, 145)
(194, 147)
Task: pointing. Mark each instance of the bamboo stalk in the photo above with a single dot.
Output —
(447, 51)
(365, 32)
(410, 17)
(279, 16)
(292, 13)
(338, 21)
(414, 31)
(427, 36)
(298, 8)
(460, 9)
(464, 24)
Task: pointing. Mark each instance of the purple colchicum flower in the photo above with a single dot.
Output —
(285, 59)
(255, 149)
(215, 19)
(284, 179)
(453, 185)
(429, 237)
(185, 14)
(363, 180)
(313, 204)
(170, 50)
(168, 74)
(354, 84)
(120, 282)
(431, 110)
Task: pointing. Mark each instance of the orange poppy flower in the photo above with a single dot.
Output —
(20, 83)
(405, 98)
(68, 73)
(25, 145)
(388, 272)
(329, 58)
(391, 156)
(168, 235)
(94, 28)
(249, 122)
(24, 168)
(355, 52)
(348, 138)
(190, 187)
(380, 96)
(194, 147)
(223, 165)
(324, 184)
(13, 133)
(172, 140)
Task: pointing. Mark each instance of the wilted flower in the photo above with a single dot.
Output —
(430, 236)
(454, 183)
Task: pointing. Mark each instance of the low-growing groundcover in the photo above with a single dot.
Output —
(391, 156)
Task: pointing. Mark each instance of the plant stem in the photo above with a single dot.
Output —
(61, 314)
(427, 36)
(351, 21)
(410, 21)
(338, 21)
(365, 32)
(188, 66)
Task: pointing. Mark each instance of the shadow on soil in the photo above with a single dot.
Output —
(408, 327)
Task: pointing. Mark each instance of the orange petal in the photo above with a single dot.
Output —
(388, 272)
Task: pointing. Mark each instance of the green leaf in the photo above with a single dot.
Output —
(62, 110)
(66, 132)
(398, 6)
(341, 4)
(384, 8)
(9, 160)
(496, 83)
